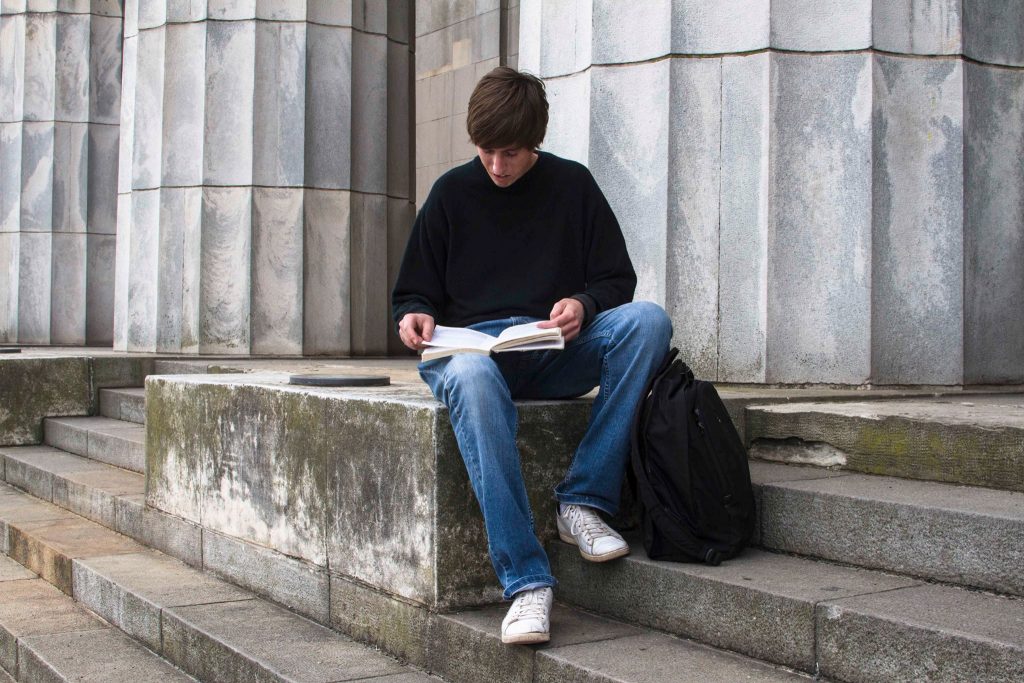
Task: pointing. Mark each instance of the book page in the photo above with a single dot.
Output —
(460, 338)
(527, 331)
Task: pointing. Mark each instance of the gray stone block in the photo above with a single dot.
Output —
(927, 632)
(328, 107)
(93, 493)
(254, 640)
(126, 128)
(275, 10)
(329, 12)
(177, 280)
(105, 36)
(146, 74)
(153, 13)
(917, 242)
(72, 67)
(280, 105)
(743, 223)
(370, 124)
(12, 67)
(730, 26)
(918, 27)
(401, 214)
(12, 571)
(399, 134)
(35, 273)
(821, 25)
(67, 434)
(99, 289)
(650, 658)
(759, 604)
(131, 17)
(101, 182)
(435, 98)
(276, 296)
(9, 259)
(40, 66)
(530, 41)
(960, 535)
(629, 136)
(143, 257)
(434, 53)
(60, 387)
(559, 57)
(70, 177)
(299, 586)
(121, 445)
(168, 534)
(369, 288)
(68, 294)
(122, 271)
(992, 32)
(230, 90)
(234, 10)
(400, 22)
(568, 132)
(102, 655)
(129, 591)
(22, 469)
(184, 80)
(370, 17)
(694, 184)
(326, 283)
(432, 16)
(34, 607)
(128, 404)
(182, 11)
(993, 212)
(819, 260)
(225, 279)
(10, 177)
(37, 176)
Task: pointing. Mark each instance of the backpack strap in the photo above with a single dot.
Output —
(667, 522)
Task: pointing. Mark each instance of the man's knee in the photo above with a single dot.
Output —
(469, 373)
(651, 321)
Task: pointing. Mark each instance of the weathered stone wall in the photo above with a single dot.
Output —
(816, 191)
(265, 183)
(457, 42)
(60, 84)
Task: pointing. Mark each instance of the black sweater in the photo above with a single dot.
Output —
(481, 252)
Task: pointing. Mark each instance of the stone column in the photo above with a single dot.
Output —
(817, 190)
(60, 85)
(265, 180)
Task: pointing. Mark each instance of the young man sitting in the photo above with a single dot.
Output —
(519, 235)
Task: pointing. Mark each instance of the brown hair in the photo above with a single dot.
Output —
(507, 109)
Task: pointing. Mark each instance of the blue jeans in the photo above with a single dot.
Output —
(618, 351)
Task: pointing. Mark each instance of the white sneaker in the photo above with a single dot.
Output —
(583, 527)
(529, 619)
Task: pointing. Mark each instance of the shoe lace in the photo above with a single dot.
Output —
(586, 521)
(529, 605)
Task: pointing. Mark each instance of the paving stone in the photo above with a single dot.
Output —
(759, 604)
(168, 534)
(17, 508)
(12, 571)
(254, 640)
(94, 494)
(127, 404)
(121, 444)
(34, 607)
(48, 547)
(923, 633)
(129, 591)
(936, 439)
(105, 655)
(35, 469)
(467, 645)
(650, 658)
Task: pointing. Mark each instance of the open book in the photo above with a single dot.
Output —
(447, 341)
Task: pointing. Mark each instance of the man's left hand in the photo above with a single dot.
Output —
(568, 315)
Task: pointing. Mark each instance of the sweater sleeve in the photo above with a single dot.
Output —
(610, 277)
(420, 285)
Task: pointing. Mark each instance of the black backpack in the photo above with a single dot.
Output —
(690, 469)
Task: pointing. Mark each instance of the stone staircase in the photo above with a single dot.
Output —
(857, 577)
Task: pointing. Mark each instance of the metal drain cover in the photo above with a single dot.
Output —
(340, 380)
(9, 350)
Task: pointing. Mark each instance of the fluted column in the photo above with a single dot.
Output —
(264, 187)
(60, 83)
(817, 190)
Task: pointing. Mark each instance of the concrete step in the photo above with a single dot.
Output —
(216, 631)
(783, 609)
(127, 404)
(957, 534)
(209, 628)
(47, 636)
(99, 438)
(102, 493)
(970, 440)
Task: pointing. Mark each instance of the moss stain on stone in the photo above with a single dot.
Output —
(34, 388)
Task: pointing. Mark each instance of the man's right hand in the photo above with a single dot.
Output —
(416, 328)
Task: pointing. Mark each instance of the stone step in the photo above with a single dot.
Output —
(47, 636)
(99, 438)
(102, 493)
(127, 404)
(216, 631)
(970, 440)
(207, 627)
(957, 534)
(784, 610)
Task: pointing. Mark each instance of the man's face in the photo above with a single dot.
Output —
(505, 165)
